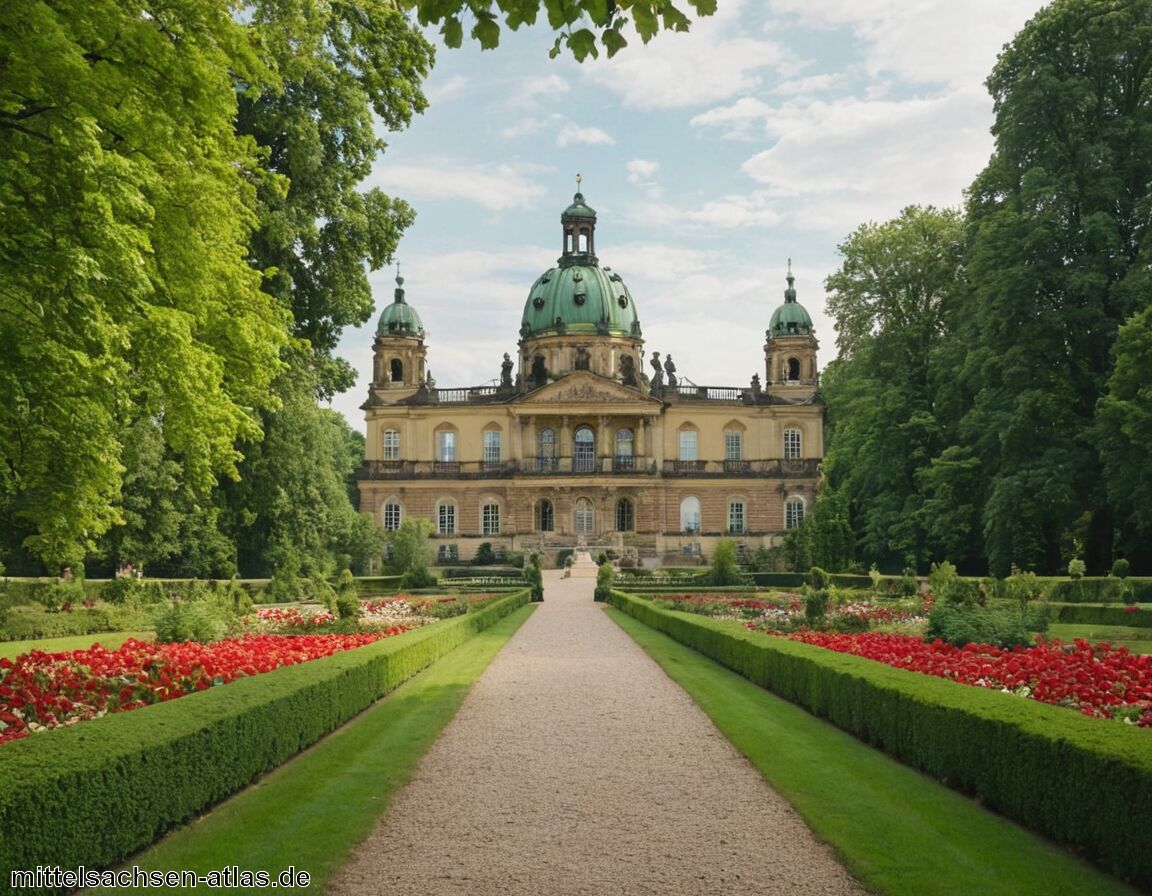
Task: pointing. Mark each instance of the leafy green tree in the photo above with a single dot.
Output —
(581, 23)
(1057, 262)
(725, 567)
(411, 552)
(893, 299)
(128, 200)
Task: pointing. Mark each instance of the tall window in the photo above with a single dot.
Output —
(546, 447)
(545, 516)
(733, 444)
(625, 516)
(791, 444)
(793, 512)
(491, 446)
(624, 448)
(446, 445)
(391, 444)
(490, 519)
(584, 450)
(584, 517)
(391, 515)
(446, 518)
(687, 444)
(736, 516)
(690, 514)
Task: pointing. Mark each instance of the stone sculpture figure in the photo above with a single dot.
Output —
(670, 369)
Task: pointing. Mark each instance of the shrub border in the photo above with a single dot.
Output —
(92, 794)
(1083, 782)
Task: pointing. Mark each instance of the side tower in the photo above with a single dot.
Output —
(399, 357)
(790, 349)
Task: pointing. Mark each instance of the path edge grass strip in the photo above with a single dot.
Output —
(92, 794)
(897, 831)
(314, 810)
(1082, 782)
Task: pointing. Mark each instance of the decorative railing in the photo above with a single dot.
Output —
(541, 466)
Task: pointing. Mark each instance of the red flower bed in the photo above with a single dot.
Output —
(48, 690)
(1099, 680)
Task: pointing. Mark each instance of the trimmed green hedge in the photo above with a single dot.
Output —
(95, 793)
(1099, 591)
(1087, 614)
(1083, 782)
(377, 586)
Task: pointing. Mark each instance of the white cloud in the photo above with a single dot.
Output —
(496, 187)
(573, 133)
(855, 160)
(930, 41)
(439, 92)
(709, 64)
(811, 84)
(742, 120)
(641, 170)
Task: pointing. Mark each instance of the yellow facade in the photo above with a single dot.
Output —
(583, 446)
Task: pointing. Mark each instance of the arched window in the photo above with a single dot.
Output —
(793, 370)
(791, 444)
(733, 444)
(688, 443)
(690, 514)
(736, 516)
(546, 448)
(490, 518)
(545, 516)
(491, 448)
(397, 369)
(625, 442)
(445, 445)
(625, 516)
(584, 450)
(793, 512)
(584, 517)
(390, 515)
(391, 444)
(446, 518)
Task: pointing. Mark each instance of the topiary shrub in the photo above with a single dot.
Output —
(604, 577)
(1120, 568)
(1076, 568)
(816, 605)
(818, 578)
(485, 556)
(534, 577)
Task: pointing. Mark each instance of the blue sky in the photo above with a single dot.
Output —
(769, 131)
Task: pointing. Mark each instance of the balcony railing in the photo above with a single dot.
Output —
(561, 466)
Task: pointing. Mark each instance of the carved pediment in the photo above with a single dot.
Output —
(586, 388)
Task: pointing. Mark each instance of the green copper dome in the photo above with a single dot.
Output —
(578, 296)
(400, 318)
(791, 318)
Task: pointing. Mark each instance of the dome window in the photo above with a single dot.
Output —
(538, 302)
(623, 300)
(580, 297)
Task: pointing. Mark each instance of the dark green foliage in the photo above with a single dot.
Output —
(485, 556)
(725, 568)
(815, 606)
(1120, 568)
(1005, 750)
(202, 620)
(130, 777)
(1079, 614)
(563, 557)
(26, 622)
(819, 579)
(534, 577)
(1000, 624)
(604, 576)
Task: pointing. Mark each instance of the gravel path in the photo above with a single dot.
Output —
(576, 766)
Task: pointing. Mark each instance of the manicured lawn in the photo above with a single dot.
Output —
(899, 832)
(311, 812)
(112, 640)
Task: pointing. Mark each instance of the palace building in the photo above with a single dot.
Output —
(582, 442)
